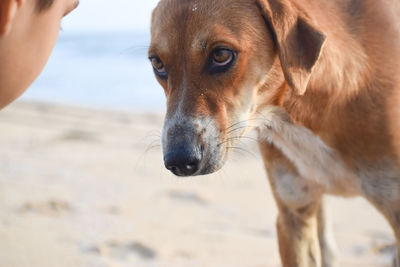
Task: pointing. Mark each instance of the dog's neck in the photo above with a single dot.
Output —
(339, 76)
(341, 70)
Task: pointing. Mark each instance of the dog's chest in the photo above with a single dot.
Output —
(322, 165)
(314, 160)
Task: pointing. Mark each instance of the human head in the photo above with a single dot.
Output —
(44, 4)
(28, 33)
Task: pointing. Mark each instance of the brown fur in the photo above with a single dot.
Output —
(334, 68)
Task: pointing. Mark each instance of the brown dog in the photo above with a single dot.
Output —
(318, 79)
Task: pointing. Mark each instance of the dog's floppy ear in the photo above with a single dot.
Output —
(299, 43)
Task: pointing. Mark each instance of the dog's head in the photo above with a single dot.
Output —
(219, 62)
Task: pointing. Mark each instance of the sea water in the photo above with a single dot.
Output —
(100, 70)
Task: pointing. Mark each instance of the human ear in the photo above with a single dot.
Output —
(8, 12)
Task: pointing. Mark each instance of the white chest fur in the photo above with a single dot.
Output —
(313, 159)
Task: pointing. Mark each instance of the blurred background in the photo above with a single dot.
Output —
(82, 181)
(101, 59)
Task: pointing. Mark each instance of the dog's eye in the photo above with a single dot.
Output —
(158, 67)
(221, 60)
(222, 57)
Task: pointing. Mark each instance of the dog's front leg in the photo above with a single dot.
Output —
(325, 234)
(298, 203)
(384, 193)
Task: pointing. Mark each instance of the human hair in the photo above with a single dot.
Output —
(44, 4)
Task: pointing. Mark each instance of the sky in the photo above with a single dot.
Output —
(115, 15)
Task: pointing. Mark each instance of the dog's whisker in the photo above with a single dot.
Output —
(242, 149)
(152, 145)
(238, 123)
(239, 128)
(152, 134)
(156, 141)
(237, 138)
(249, 138)
(244, 121)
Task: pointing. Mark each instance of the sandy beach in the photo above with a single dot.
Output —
(87, 187)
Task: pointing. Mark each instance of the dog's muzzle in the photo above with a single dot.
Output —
(191, 146)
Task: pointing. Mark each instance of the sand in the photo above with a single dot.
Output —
(86, 187)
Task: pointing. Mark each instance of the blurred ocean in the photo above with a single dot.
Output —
(100, 70)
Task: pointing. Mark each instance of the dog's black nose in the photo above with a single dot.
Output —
(182, 161)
